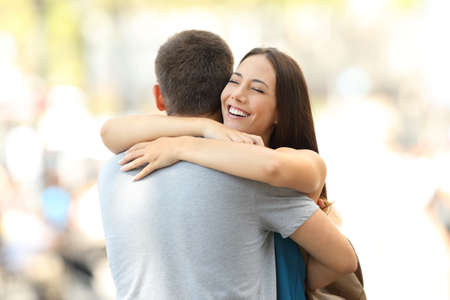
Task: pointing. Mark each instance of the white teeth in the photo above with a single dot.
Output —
(237, 112)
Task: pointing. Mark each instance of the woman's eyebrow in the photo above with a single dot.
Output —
(254, 80)
(260, 81)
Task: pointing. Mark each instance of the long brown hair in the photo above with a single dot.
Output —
(295, 126)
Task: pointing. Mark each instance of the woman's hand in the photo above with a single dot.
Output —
(157, 154)
(218, 131)
(322, 203)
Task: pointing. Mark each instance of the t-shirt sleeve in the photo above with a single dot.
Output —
(283, 210)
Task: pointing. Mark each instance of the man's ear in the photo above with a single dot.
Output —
(159, 99)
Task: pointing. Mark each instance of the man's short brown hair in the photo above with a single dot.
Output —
(192, 68)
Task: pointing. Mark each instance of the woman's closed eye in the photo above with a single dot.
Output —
(233, 81)
(258, 90)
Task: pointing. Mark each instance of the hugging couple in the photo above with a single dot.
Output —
(214, 200)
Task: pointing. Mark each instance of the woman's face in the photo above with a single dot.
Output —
(248, 100)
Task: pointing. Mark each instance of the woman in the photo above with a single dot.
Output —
(265, 103)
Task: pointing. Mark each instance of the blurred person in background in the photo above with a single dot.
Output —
(264, 84)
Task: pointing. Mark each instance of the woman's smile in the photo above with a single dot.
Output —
(237, 113)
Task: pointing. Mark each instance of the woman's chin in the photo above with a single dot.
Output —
(235, 124)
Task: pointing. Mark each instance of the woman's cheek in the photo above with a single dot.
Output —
(224, 95)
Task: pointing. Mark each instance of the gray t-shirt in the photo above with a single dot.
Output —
(189, 232)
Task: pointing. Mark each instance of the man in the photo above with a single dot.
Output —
(189, 232)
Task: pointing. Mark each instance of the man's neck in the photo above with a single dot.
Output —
(217, 116)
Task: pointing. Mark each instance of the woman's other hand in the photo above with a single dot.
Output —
(322, 203)
(218, 131)
(156, 154)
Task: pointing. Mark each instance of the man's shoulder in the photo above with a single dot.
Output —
(182, 169)
(193, 172)
(111, 165)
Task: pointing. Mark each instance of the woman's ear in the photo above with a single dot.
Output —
(159, 99)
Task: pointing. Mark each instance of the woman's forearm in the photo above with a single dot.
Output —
(325, 243)
(120, 133)
(291, 169)
(243, 160)
(318, 275)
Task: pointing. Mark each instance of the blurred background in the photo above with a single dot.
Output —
(378, 74)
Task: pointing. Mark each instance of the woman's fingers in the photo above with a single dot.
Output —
(321, 203)
(257, 140)
(134, 164)
(252, 139)
(248, 139)
(138, 146)
(146, 171)
(131, 155)
(240, 137)
(235, 138)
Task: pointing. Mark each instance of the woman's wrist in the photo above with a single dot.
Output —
(206, 127)
(182, 146)
(202, 125)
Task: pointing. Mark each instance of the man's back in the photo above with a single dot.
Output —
(189, 232)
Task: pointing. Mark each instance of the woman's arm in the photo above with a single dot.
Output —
(120, 133)
(331, 253)
(318, 275)
(301, 170)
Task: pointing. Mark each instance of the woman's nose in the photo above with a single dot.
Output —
(239, 95)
